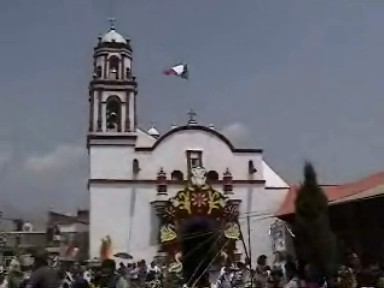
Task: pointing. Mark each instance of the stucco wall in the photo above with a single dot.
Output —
(123, 210)
(116, 162)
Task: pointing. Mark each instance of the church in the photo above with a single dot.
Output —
(168, 195)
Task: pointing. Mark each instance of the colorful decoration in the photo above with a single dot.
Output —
(277, 233)
(176, 266)
(231, 212)
(197, 198)
(232, 231)
(167, 233)
(169, 213)
(198, 177)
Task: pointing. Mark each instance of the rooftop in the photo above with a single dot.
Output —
(368, 187)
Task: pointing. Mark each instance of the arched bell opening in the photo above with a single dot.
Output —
(114, 67)
(113, 111)
(201, 242)
(98, 72)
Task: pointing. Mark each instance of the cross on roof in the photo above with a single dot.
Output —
(192, 119)
(112, 23)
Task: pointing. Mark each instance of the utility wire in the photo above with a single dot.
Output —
(210, 263)
(199, 234)
(198, 246)
(203, 259)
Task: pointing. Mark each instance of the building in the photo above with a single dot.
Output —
(63, 235)
(149, 192)
(68, 235)
(355, 214)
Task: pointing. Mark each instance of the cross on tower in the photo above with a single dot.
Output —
(192, 120)
(112, 23)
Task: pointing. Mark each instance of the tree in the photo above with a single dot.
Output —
(315, 242)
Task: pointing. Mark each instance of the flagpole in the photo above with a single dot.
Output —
(187, 90)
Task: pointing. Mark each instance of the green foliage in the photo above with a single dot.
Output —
(311, 200)
(315, 242)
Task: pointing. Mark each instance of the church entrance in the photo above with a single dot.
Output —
(198, 230)
(200, 246)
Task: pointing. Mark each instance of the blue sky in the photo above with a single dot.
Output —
(300, 79)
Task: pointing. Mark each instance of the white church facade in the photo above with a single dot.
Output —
(150, 192)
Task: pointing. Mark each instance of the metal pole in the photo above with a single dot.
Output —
(243, 241)
(249, 247)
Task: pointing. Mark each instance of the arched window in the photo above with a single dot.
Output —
(113, 111)
(212, 176)
(114, 63)
(177, 175)
(98, 72)
(135, 166)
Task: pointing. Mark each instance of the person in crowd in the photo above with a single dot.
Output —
(133, 275)
(109, 278)
(262, 271)
(43, 276)
(122, 269)
(292, 276)
(153, 272)
(225, 279)
(346, 278)
(276, 279)
(3, 280)
(87, 275)
(142, 272)
(66, 278)
(215, 270)
(15, 275)
(78, 278)
(238, 274)
(353, 262)
(279, 261)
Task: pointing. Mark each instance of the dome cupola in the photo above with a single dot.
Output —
(153, 132)
(113, 37)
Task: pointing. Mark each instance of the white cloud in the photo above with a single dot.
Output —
(56, 179)
(237, 133)
(62, 158)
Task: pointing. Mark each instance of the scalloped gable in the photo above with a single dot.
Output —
(198, 128)
(272, 179)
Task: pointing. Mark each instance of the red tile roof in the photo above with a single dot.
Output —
(333, 192)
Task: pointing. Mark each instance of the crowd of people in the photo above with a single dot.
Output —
(283, 272)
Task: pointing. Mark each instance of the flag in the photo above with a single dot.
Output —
(180, 70)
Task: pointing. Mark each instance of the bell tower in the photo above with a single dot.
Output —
(113, 89)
